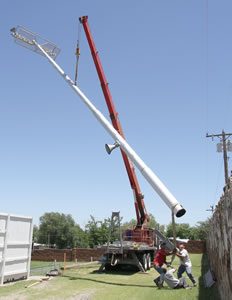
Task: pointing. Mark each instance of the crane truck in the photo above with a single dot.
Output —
(139, 246)
(136, 246)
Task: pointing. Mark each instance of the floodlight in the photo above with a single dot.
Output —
(27, 39)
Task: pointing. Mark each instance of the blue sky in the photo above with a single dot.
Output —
(169, 66)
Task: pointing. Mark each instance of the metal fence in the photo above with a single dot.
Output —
(41, 269)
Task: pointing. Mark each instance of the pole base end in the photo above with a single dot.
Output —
(180, 212)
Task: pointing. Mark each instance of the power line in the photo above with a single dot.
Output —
(211, 208)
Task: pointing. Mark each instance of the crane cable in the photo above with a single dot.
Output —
(77, 53)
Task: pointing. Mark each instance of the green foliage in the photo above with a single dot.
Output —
(185, 231)
(129, 225)
(132, 223)
(80, 239)
(162, 229)
(152, 222)
(93, 230)
(182, 230)
(99, 232)
(60, 230)
(201, 230)
(35, 237)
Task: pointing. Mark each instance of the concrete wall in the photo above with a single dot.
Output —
(219, 244)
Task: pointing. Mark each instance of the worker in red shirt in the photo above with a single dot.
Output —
(159, 261)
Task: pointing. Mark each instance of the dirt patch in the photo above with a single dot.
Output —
(87, 295)
(41, 284)
(15, 297)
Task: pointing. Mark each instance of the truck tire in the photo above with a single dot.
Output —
(144, 261)
(148, 261)
(108, 267)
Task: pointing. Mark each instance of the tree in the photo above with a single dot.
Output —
(97, 231)
(129, 225)
(201, 230)
(183, 230)
(92, 232)
(152, 222)
(35, 237)
(80, 238)
(162, 229)
(59, 229)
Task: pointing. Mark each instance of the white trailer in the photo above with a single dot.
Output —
(15, 247)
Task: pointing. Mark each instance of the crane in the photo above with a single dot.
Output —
(141, 213)
(141, 233)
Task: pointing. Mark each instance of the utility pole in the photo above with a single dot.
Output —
(211, 208)
(223, 146)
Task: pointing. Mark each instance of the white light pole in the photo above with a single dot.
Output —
(23, 36)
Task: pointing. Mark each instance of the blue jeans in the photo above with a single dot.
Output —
(188, 270)
(160, 271)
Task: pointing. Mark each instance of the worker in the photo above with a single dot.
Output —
(185, 264)
(159, 261)
(172, 281)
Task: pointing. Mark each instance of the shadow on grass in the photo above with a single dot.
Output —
(107, 282)
(119, 269)
(119, 272)
(204, 292)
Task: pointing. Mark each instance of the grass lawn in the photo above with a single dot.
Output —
(85, 282)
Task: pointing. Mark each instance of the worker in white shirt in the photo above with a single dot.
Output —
(185, 264)
(172, 281)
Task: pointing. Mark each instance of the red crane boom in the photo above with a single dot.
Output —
(141, 213)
